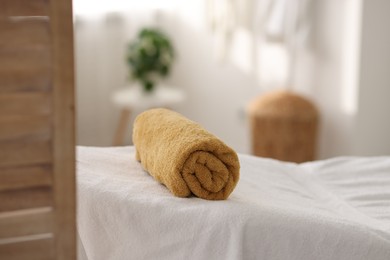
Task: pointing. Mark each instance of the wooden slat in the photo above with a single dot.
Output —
(64, 138)
(26, 222)
(41, 248)
(25, 54)
(25, 199)
(24, 127)
(25, 177)
(24, 153)
(25, 69)
(24, 58)
(23, 32)
(32, 79)
(24, 7)
(22, 104)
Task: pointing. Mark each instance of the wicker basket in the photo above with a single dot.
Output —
(284, 127)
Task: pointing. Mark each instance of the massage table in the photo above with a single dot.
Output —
(332, 209)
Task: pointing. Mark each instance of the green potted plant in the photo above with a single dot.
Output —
(150, 57)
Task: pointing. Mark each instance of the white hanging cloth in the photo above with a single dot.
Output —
(224, 17)
(285, 21)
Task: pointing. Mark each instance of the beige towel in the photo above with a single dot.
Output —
(183, 156)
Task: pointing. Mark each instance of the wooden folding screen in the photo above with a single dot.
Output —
(37, 146)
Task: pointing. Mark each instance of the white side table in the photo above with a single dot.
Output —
(129, 98)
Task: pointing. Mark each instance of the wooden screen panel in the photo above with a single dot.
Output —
(63, 122)
(25, 127)
(25, 103)
(26, 222)
(26, 177)
(25, 32)
(20, 153)
(24, 7)
(37, 141)
(13, 200)
(25, 63)
(31, 248)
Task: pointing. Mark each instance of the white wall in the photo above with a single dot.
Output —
(217, 94)
(100, 50)
(373, 122)
(97, 44)
(326, 73)
(333, 83)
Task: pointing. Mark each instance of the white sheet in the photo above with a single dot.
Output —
(333, 209)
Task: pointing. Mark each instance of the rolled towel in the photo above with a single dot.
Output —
(183, 156)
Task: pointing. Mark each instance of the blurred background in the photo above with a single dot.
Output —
(227, 53)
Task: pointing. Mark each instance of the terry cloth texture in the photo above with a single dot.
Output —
(183, 156)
